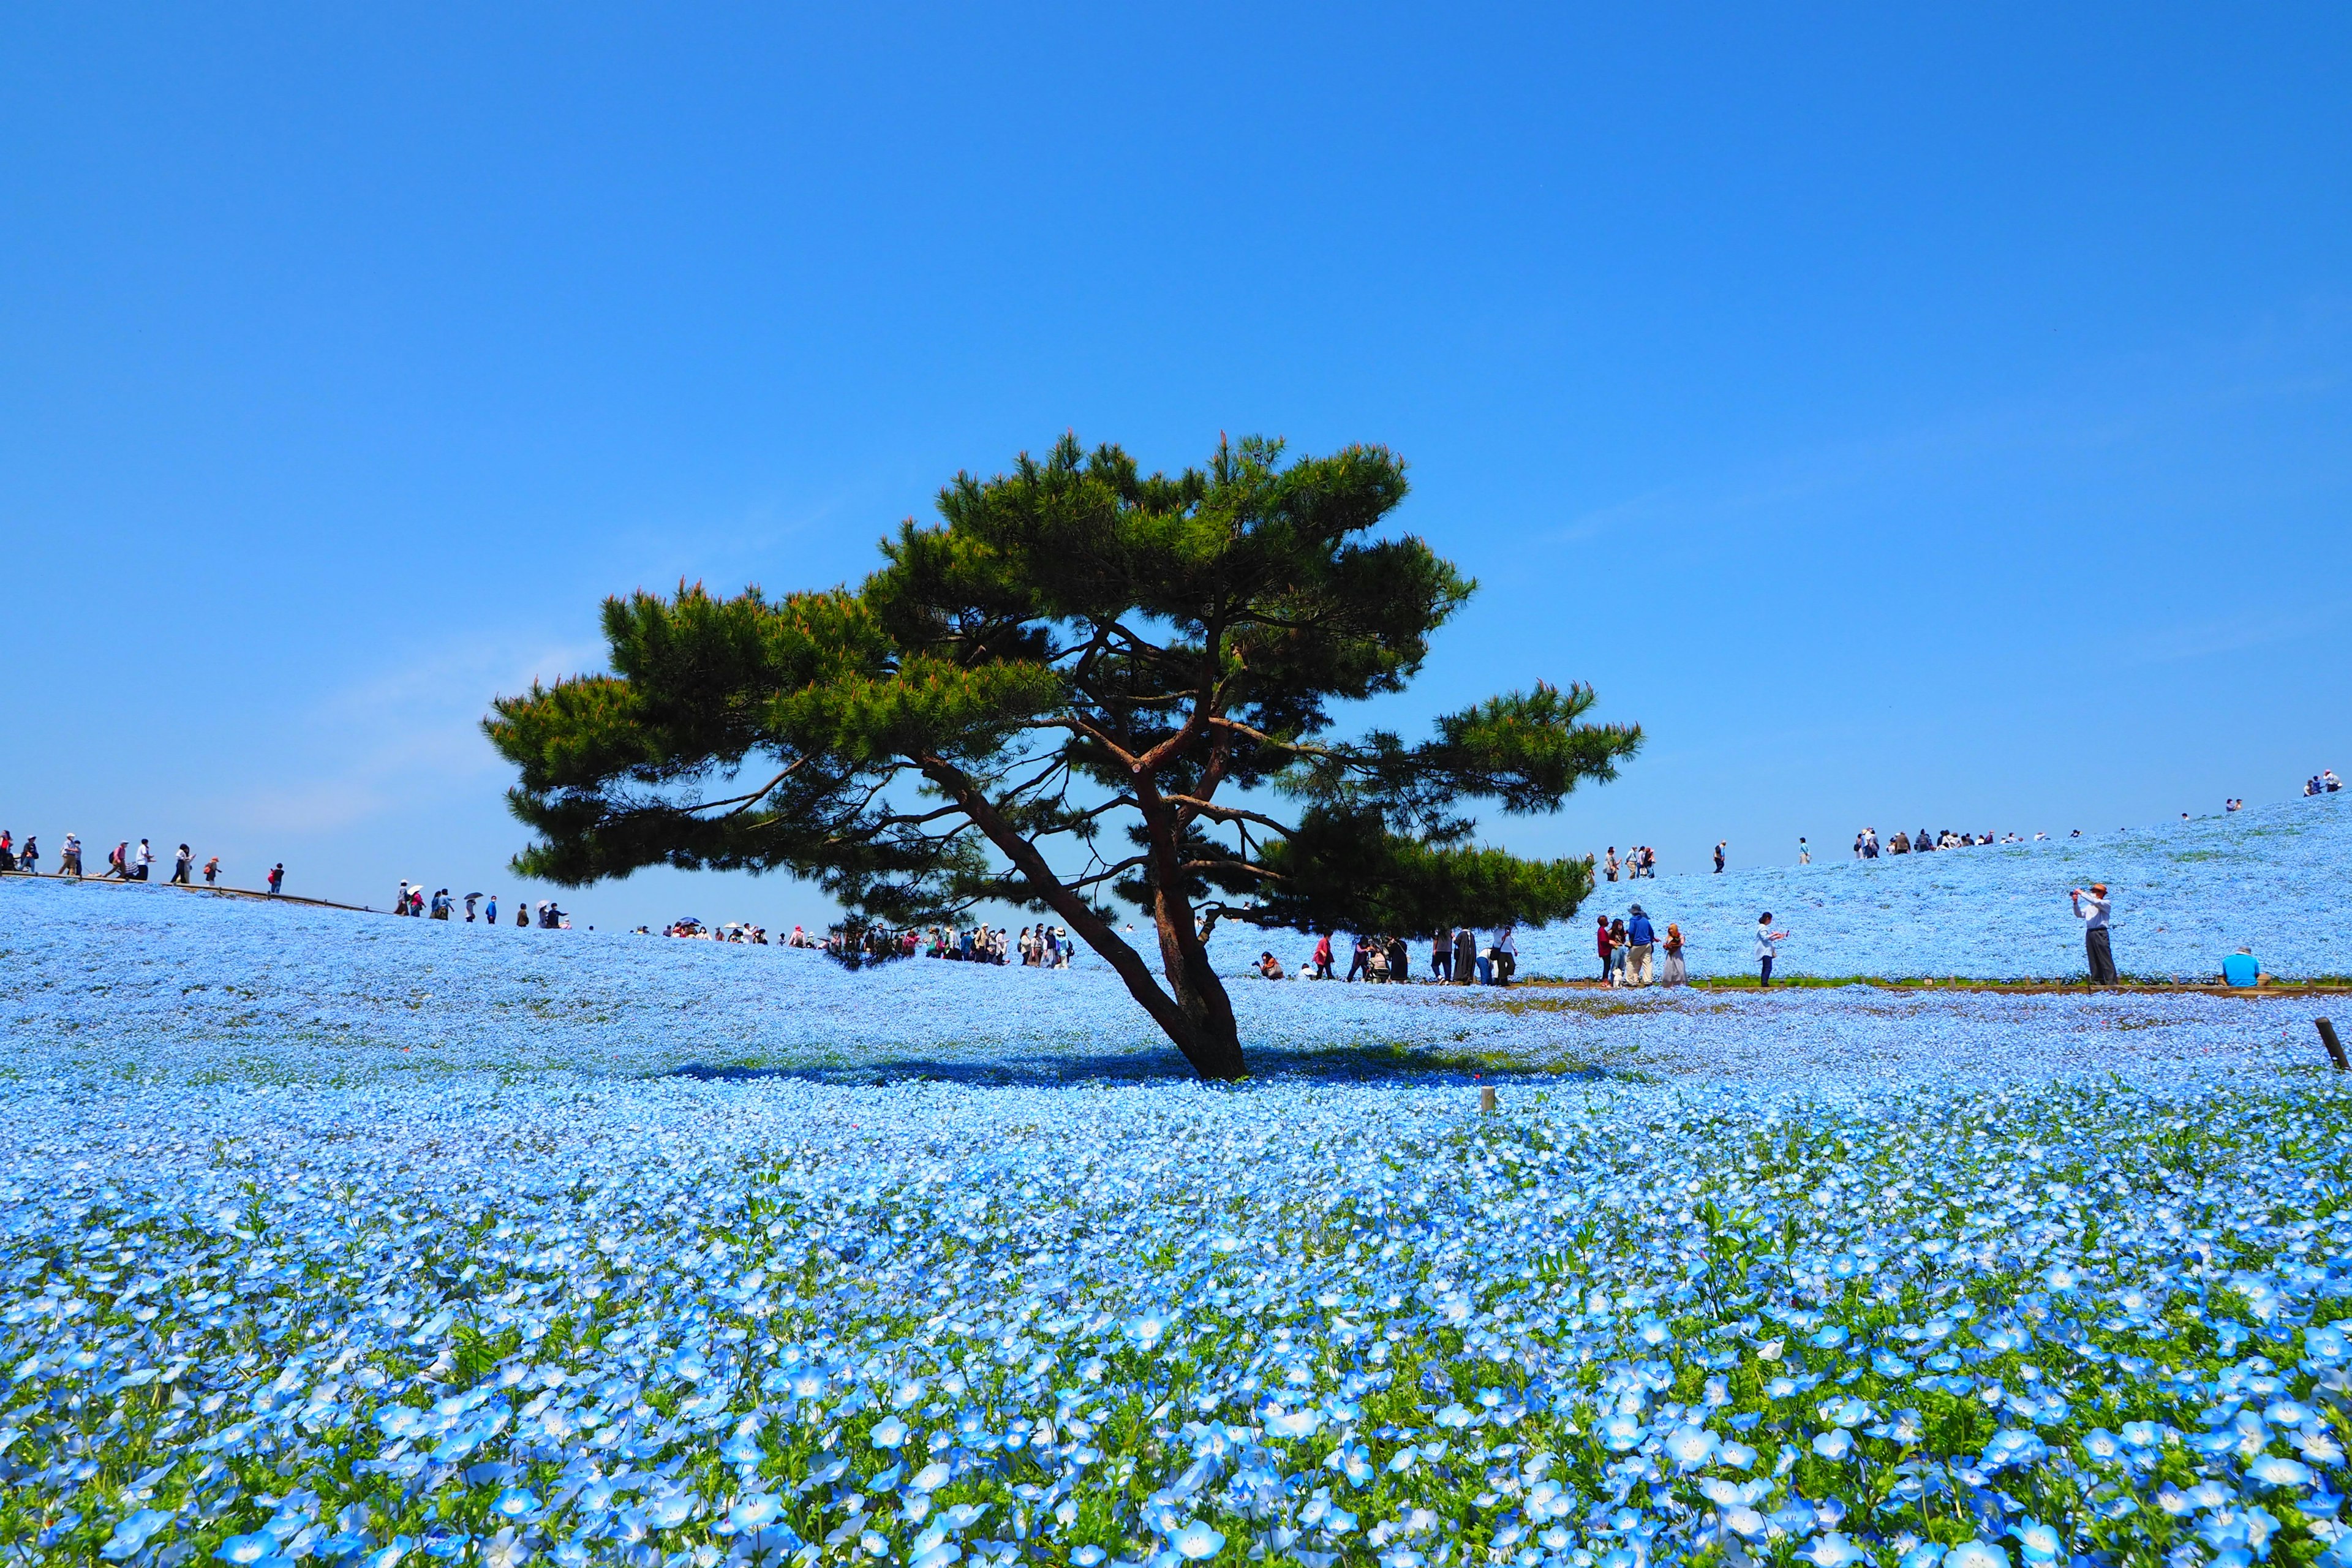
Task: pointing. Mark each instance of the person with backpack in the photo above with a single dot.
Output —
(28, 859)
(277, 878)
(212, 871)
(118, 861)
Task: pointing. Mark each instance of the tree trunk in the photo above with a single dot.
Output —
(1214, 1042)
(1198, 1020)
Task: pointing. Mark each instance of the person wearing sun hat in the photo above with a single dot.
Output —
(2093, 909)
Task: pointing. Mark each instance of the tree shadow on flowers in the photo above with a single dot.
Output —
(1372, 1063)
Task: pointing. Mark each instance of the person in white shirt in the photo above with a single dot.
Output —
(1507, 956)
(1767, 945)
(2093, 909)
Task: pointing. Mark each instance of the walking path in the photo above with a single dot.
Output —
(258, 894)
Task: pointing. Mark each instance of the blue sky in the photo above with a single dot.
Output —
(1910, 420)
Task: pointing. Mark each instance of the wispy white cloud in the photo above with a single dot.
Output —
(401, 733)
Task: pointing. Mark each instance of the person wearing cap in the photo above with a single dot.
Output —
(1642, 941)
(2093, 909)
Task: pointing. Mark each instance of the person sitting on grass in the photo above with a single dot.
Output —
(2243, 970)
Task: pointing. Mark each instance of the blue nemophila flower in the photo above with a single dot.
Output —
(515, 1502)
(669, 1512)
(754, 1513)
(131, 1536)
(1280, 1423)
(2271, 1470)
(1979, 1554)
(887, 1433)
(242, 1549)
(2038, 1542)
(1833, 1551)
(1691, 1446)
(1195, 1540)
(1835, 1446)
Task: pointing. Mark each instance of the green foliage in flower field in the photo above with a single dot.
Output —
(941, 1325)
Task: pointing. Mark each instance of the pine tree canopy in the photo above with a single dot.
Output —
(1082, 684)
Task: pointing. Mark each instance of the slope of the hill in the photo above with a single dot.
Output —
(2277, 878)
(112, 983)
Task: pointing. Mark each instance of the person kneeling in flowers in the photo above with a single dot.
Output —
(1269, 967)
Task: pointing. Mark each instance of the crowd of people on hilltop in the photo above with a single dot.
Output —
(1456, 957)
(123, 863)
(414, 902)
(1639, 861)
(1867, 845)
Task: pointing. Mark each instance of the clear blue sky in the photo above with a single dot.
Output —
(1908, 420)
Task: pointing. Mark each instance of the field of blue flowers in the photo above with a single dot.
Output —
(2271, 878)
(336, 1239)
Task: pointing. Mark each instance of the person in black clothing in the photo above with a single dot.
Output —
(1719, 847)
(1362, 961)
(1441, 956)
(1399, 962)
(277, 878)
(180, 865)
(1466, 956)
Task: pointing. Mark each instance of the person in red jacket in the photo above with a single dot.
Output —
(1602, 945)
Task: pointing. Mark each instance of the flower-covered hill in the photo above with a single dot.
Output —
(112, 983)
(2277, 878)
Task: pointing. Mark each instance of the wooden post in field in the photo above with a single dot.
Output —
(1486, 1092)
(2334, 1047)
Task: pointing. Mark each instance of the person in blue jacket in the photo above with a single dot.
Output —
(1640, 942)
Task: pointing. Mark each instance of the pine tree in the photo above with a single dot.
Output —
(1083, 682)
